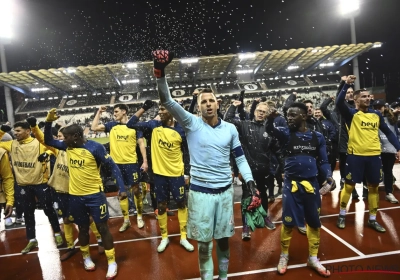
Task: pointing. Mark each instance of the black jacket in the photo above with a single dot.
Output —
(256, 142)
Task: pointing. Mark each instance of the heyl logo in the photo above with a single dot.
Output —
(122, 137)
(178, 92)
(250, 87)
(369, 124)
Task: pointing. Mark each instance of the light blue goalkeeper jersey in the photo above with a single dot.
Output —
(209, 147)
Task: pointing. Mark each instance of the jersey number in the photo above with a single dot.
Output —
(181, 190)
(103, 209)
(135, 176)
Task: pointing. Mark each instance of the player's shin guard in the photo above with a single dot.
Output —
(205, 260)
(163, 222)
(223, 262)
(345, 195)
(85, 251)
(110, 254)
(286, 236)
(313, 240)
(373, 200)
(139, 204)
(69, 235)
(124, 203)
(95, 231)
(182, 218)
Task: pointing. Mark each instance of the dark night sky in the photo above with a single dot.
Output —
(55, 33)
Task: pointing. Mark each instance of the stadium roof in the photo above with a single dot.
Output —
(131, 77)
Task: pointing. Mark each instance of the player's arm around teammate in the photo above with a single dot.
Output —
(86, 190)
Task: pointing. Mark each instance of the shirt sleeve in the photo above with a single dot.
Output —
(342, 107)
(108, 126)
(40, 137)
(324, 166)
(103, 157)
(8, 179)
(389, 134)
(240, 159)
(186, 119)
(50, 141)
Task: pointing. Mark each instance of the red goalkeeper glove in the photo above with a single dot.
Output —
(161, 59)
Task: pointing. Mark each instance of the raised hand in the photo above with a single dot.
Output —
(236, 103)
(147, 104)
(32, 121)
(161, 59)
(52, 115)
(43, 157)
(255, 195)
(350, 79)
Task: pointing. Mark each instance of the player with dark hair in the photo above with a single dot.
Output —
(305, 156)
(86, 190)
(123, 143)
(168, 141)
(32, 176)
(210, 201)
(363, 150)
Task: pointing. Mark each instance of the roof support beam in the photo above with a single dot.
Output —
(119, 83)
(83, 82)
(318, 62)
(21, 90)
(228, 68)
(294, 60)
(261, 64)
(53, 87)
(334, 68)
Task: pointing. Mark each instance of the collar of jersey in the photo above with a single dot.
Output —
(27, 140)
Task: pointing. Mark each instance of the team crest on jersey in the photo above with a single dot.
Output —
(70, 218)
(83, 153)
(288, 219)
(348, 176)
(107, 156)
(59, 212)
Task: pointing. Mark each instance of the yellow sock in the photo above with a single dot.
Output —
(313, 240)
(124, 203)
(69, 235)
(139, 204)
(85, 251)
(163, 222)
(182, 218)
(373, 200)
(286, 236)
(345, 195)
(110, 254)
(144, 188)
(95, 231)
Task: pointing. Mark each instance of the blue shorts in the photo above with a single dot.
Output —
(301, 205)
(210, 215)
(130, 173)
(359, 166)
(81, 207)
(63, 204)
(163, 185)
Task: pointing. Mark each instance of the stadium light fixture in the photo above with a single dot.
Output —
(6, 18)
(74, 86)
(291, 67)
(133, 81)
(246, 55)
(189, 60)
(244, 71)
(39, 89)
(131, 65)
(377, 45)
(329, 64)
(71, 70)
(348, 7)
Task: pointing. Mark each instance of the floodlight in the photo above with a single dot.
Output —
(329, 64)
(131, 65)
(291, 67)
(244, 71)
(246, 55)
(6, 18)
(189, 60)
(349, 6)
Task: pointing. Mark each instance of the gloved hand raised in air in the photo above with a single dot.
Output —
(5, 128)
(32, 121)
(161, 59)
(255, 195)
(147, 105)
(52, 115)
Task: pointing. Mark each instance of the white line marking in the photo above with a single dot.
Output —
(304, 265)
(348, 245)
